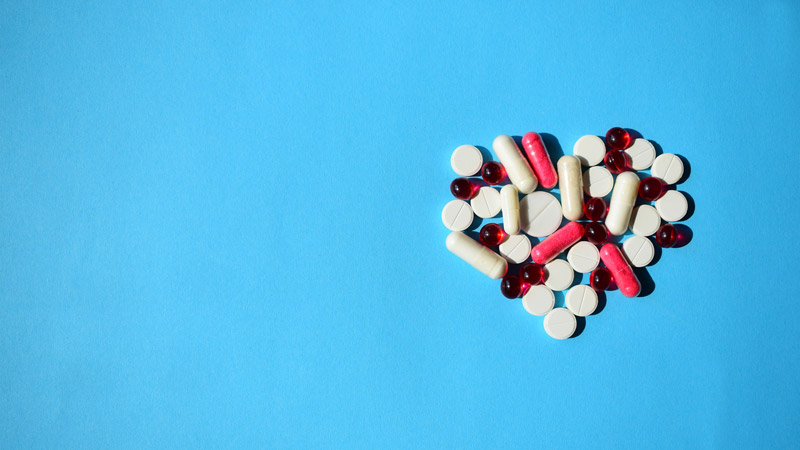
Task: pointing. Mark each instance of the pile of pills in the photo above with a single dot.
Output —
(578, 231)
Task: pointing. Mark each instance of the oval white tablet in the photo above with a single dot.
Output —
(539, 214)
(457, 215)
(642, 154)
(597, 181)
(516, 249)
(672, 206)
(645, 220)
(560, 323)
(590, 150)
(668, 167)
(583, 257)
(581, 300)
(559, 275)
(639, 250)
(486, 203)
(466, 160)
(539, 300)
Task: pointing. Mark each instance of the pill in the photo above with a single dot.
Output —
(463, 188)
(600, 279)
(667, 236)
(466, 160)
(457, 215)
(486, 203)
(557, 242)
(532, 273)
(559, 275)
(590, 150)
(478, 256)
(668, 167)
(672, 206)
(516, 248)
(595, 233)
(651, 188)
(617, 161)
(620, 269)
(639, 250)
(540, 160)
(570, 183)
(620, 207)
(509, 204)
(583, 257)
(539, 300)
(517, 168)
(642, 153)
(581, 300)
(644, 220)
(511, 286)
(597, 181)
(595, 209)
(560, 323)
(492, 234)
(493, 172)
(618, 138)
(539, 214)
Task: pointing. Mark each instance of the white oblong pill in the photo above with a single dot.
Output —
(486, 203)
(516, 248)
(621, 204)
(517, 167)
(539, 214)
(539, 300)
(560, 323)
(639, 250)
(645, 220)
(581, 300)
(466, 160)
(668, 167)
(642, 154)
(590, 150)
(570, 184)
(559, 275)
(583, 257)
(457, 215)
(672, 206)
(477, 255)
(509, 204)
(597, 181)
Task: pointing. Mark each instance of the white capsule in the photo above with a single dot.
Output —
(509, 201)
(517, 167)
(623, 198)
(478, 256)
(570, 183)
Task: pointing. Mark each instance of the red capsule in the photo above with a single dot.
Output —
(553, 245)
(595, 209)
(463, 188)
(596, 233)
(493, 172)
(492, 234)
(618, 138)
(651, 189)
(667, 236)
(511, 286)
(623, 275)
(532, 273)
(540, 160)
(617, 161)
(601, 279)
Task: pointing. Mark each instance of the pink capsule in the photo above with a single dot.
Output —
(623, 274)
(540, 160)
(553, 245)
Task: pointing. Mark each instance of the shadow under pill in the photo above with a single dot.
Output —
(685, 235)
(634, 134)
(687, 169)
(485, 154)
(657, 251)
(553, 147)
(690, 206)
(659, 150)
(579, 327)
(648, 285)
(601, 303)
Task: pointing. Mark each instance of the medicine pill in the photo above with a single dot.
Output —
(532, 273)
(560, 323)
(570, 183)
(540, 160)
(581, 300)
(601, 279)
(668, 167)
(559, 275)
(651, 189)
(620, 269)
(492, 235)
(511, 286)
(642, 153)
(620, 207)
(597, 181)
(595, 209)
(618, 138)
(478, 256)
(463, 188)
(457, 215)
(538, 300)
(583, 257)
(617, 161)
(466, 160)
(509, 203)
(493, 172)
(539, 214)
(516, 248)
(595, 233)
(557, 242)
(517, 168)
(672, 206)
(590, 150)
(486, 203)
(639, 251)
(644, 220)
(667, 236)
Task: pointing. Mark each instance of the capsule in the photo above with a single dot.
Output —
(570, 183)
(509, 201)
(540, 161)
(623, 274)
(476, 255)
(517, 168)
(623, 197)
(553, 245)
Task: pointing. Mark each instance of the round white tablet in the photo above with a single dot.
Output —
(516, 249)
(486, 204)
(559, 275)
(581, 300)
(466, 160)
(539, 300)
(457, 215)
(672, 206)
(645, 220)
(560, 323)
(668, 167)
(583, 257)
(639, 250)
(597, 181)
(590, 150)
(539, 214)
(642, 154)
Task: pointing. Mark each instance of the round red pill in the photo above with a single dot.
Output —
(617, 161)
(532, 273)
(596, 233)
(463, 188)
(511, 286)
(493, 172)
(600, 279)
(492, 234)
(651, 189)
(667, 236)
(595, 209)
(618, 138)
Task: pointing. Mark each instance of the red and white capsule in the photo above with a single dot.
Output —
(623, 274)
(540, 160)
(553, 245)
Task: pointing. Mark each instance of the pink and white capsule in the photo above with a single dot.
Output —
(623, 274)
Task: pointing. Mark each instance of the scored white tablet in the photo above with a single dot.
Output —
(457, 215)
(672, 206)
(639, 250)
(539, 214)
(559, 275)
(583, 257)
(668, 167)
(486, 203)
(539, 300)
(590, 150)
(642, 154)
(516, 249)
(560, 323)
(645, 220)
(597, 181)
(466, 160)
(581, 300)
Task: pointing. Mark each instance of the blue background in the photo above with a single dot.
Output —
(221, 225)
